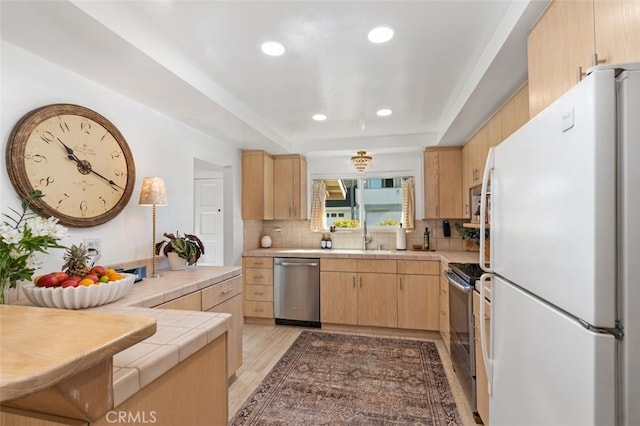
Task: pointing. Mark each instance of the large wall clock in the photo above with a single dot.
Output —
(77, 158)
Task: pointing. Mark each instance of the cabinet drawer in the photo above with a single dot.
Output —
(190, 302)
(258, 276)
(418, 267)
(258, 309)
(258, 262)
(339, 265)
(218, 293)
(260, 293)
(382, 266)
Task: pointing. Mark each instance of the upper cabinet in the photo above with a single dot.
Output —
(572, 36)
(257, 185)
(509, 118)
(289, 187)
(442, 183)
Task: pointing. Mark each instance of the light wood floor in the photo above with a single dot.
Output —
(263, 345)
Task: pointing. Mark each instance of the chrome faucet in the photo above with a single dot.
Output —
(366, 239)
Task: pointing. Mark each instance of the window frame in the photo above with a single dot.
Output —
(361, 210)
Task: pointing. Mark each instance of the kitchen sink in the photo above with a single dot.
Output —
(341, 251)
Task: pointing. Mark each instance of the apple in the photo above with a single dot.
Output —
(48, 280)
(92, 277)
(98, 270)
(70, 283)
(61, 276)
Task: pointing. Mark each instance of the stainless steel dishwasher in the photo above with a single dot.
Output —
(296, 285)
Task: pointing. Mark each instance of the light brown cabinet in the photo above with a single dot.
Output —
(190, 302)
(339, 291)
(444, 307)
(289, 187)
(258, 287)
(572, 36)
(379, 293)
(482, 389)
(442, 183)
(226, 297)
(418, 295)
(510, 117)
(257, 185)
(223, 297)
(377, 299)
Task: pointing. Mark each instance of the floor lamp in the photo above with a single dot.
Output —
(153, 193)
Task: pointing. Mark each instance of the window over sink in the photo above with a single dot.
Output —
(343, 203)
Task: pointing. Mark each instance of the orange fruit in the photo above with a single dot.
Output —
(86, 282)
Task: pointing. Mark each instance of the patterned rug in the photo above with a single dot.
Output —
(335, 379)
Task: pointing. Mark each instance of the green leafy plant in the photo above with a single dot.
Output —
(388, 222)
(187, 247)
(23, 234)
(470, 233)
(346, 223)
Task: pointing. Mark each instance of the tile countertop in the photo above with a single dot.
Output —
(445, 256)
(179, 333)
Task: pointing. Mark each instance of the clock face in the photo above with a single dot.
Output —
(77, 158)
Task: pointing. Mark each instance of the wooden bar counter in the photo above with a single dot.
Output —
(134, 361)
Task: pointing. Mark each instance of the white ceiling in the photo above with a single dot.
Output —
(450, 65)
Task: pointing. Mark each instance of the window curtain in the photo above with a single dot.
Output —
(408, 203)
(318, 217)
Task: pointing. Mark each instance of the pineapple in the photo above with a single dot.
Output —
(75, 261)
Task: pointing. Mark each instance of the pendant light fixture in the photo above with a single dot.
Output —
(361, 161)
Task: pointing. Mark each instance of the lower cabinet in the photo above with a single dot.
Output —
(338, 297)
(418, 295)
(226, 297)
(377, 300)
(380, 293)
(258, 287)
(444, 307)
(482, 383)
(223, 297)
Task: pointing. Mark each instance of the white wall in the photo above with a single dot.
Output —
(160, 145)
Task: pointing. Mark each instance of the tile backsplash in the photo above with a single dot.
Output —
(296, 234)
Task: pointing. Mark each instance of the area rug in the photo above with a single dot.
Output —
(335, 379)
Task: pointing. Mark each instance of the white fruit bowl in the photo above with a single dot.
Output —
(80, 297)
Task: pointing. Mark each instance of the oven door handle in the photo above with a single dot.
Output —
(459, 286)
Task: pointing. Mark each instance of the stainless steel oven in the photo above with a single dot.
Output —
(462, 277)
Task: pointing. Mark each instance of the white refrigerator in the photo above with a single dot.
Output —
(564, 210)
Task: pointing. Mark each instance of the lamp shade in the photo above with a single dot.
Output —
(153, 192)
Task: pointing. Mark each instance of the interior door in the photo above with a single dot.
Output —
(547, 368)
(209, 219)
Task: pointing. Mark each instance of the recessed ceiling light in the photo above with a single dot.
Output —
(319, 117)
(272, 48)
(381, 34)
(384, 112)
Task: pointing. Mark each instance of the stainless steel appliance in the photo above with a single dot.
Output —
(462, 278)
(296, 285)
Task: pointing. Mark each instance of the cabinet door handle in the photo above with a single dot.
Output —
(579, 74)
(227, 291)
(259, 293)
(400, 283)
(595, 61)
(353, 279)
(259, 276)
(360, 282)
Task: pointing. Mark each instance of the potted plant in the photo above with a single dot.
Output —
(180, 250)
(471, 237)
